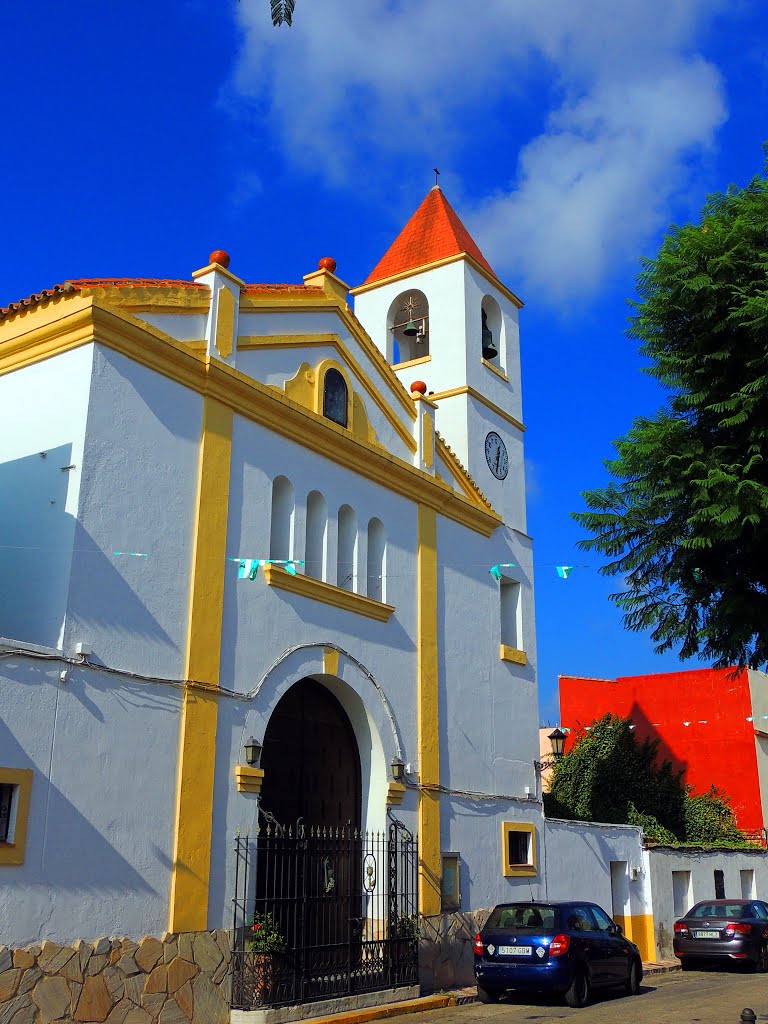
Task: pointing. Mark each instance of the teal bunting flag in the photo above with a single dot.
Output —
(564, 571)
(495, 570)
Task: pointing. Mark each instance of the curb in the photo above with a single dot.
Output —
(387, 1010)
(649, 970)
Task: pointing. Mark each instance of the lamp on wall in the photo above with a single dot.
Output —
(557, 738)
(252, 749)
(398, 769)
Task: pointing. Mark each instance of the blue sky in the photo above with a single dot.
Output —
(569, 134)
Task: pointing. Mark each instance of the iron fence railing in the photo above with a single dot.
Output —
(323, 912)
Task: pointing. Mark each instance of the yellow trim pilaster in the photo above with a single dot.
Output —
(428, 715)
(197, 745)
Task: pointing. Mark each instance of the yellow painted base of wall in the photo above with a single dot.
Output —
(639, 928)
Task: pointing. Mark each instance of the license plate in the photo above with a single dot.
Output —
(515, 950)
(706, 935)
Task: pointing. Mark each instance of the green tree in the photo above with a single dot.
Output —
(609, 776)
(684, 521)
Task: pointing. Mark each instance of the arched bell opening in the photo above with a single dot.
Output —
(491, 330)
(408, 324)
(311, 761)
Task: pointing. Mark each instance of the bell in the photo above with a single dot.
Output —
(489, 348)
(410, 330)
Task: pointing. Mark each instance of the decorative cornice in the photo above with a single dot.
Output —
(92, 322)
(248, 778)
(465, 389)
(512, 654)
(507, 292)
(249, 343)
(317, 590)
(496, 369)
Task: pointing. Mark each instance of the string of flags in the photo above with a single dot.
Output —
(563, 571)
(248, 568)
(698, 721)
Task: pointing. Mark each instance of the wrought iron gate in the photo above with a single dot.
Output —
(323, 912)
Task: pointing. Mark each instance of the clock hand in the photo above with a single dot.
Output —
(498, 458)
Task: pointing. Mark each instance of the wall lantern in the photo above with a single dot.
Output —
(252, 749)
(398, 769)
(557, 738)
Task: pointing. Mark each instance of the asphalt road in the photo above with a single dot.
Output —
(698, 997)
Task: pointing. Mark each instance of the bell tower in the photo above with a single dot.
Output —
(437, 311)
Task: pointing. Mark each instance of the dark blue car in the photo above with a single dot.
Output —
(571, 948)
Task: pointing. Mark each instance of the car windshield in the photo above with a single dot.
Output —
(734, 910)
(538, 918)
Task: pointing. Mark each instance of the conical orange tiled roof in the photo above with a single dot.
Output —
(433, 233)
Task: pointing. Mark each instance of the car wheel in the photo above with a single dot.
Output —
(635, 977)
(485, 995)
(761, 966)
(577, 994)
(686, 965)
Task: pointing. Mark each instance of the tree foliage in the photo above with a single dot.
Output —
(282, 12)
(684, 521)
(610, 776)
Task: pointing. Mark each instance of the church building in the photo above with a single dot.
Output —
(268, 642)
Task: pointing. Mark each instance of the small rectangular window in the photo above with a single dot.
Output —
(719, 885)
(6, 810)
(15, 791)
(511, 625)
(450, 888)
(518, 848)
(518, 845)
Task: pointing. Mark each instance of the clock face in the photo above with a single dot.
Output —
(496, 455)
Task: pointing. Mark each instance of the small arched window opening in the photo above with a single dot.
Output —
(377, 560)
(408, 323)
(315, 552)
(346, 549)
(490, 330)
(335, 397)
(283, 517)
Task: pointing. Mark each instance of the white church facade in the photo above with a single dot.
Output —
(246, 541)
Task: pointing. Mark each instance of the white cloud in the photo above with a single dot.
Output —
(625, 100)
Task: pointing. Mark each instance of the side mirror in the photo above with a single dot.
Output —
(617, 929)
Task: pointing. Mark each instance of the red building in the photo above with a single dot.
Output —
(710, 723)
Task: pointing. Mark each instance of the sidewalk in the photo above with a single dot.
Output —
(455, 997)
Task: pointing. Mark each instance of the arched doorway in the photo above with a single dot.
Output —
(311, 762)
(334, 907)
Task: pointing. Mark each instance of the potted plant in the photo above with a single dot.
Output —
(265, 941)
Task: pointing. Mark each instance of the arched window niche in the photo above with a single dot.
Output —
(316, 549)
(335, 397)
(281, 536)
(346, 549)
(377, 560)
(408, 327)
(491, 331)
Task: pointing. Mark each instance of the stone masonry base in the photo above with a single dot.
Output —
(447, 949)
(177, 979)
(323, 1008)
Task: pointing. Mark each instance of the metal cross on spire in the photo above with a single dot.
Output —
(437, 174)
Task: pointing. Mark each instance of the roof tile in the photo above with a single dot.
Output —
(433, 233)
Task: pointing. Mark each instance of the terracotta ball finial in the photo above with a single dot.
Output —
(220, 257)
(327, 263)
(418, 388)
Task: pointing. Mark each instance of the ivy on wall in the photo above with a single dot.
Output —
(610, 776)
